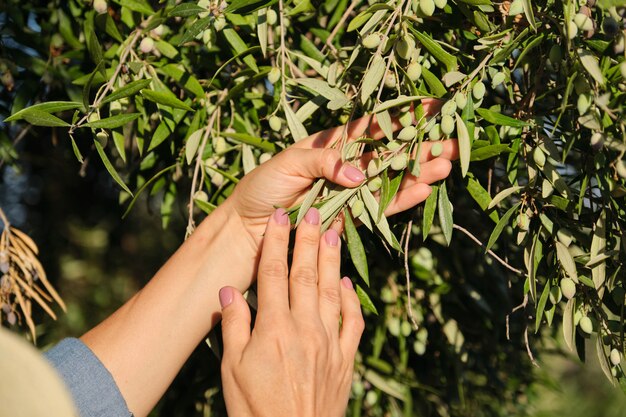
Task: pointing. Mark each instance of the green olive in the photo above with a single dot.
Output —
(414, 71)
(357, 208)
(406, 119)
(102, 137)
(436, 149)
(271, 16)
(447, 125)
(371, 41)
(274, 75)
(374, 184)
(461, 100)
(479, 90)
(407, 134)
(616, 357)
(586, 325)
(399, 162)
(276, 123)
(539, 157)
(435, 132)
(449, 107)
(427, 7)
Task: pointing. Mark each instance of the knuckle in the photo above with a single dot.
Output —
(308, 239)
(305, 275)
(273, 268)
(329, 157)
(331, 296)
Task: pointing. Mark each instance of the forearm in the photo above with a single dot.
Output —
(145, 343)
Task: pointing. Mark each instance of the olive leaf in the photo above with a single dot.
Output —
(444, 208)
(372, 77)
(355, 247)
(310, 198)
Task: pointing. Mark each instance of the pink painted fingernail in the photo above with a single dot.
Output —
(312, 216)
(347, 282)
(332, 238)
(281, 217)
(226, 296)
(353, 173)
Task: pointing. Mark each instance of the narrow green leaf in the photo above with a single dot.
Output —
(310, 198)
(365, 300)
(430, 207)
(590, 62)
(436, 50)
(91, 39)
(358, 21)
(569, 327)
(297, 129)
(382, 225)
(541, 306)
(49, 107)
(166, 99)
(251, 140)
(384, 121)
(261, 30)
(530, 15)
(389, 191)
(144, 186)
(322, 87)
(195, 29)
(372, 78)
(240, 47)
(192, 145)
(436, 87)
(186, 10)
(140, 6)
(465, 144)
(500, 119)
(504, 221)
(77, 153)
(503, 194)
(445, 213)
(248, 6)
(489, 151)
(398, 101)
(355, 247)
(481, 196)
(566, 260)
(605, 365)
(109, 167)
(41, 118)
(113, 121)
(119, 141)
(126, 91)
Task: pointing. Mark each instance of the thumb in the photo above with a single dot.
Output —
(235, 321)
(320, 163)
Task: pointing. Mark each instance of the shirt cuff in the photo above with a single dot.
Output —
(92, 386)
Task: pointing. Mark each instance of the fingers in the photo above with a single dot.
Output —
(319, 163)
(352, 319)
(328, 287)
(430, 172)
(407, 198)
(273, 270)
(304, 273)
(450, 150)
(235, 321)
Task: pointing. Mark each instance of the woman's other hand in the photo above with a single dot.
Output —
(298, 360)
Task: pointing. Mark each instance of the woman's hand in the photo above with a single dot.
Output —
(297, 361)
(285, 179)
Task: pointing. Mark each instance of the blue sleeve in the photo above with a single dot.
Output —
(93, 389)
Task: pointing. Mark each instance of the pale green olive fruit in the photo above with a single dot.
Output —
(479, 90)
(622, 69)
(435, 133)
(390, 80)
(414, 71)
(447, 124)
(449, 107)
(441, 3)
(220, 23)
(276, 123)
(373, 167)
(271, 16)
(374, 184)
(555, 295)
(274, 75)
(583, 22)
(201, 196)
(406, 119)
(357, 208)
(405, 47)
(436, 149)
(584, 103)
(523, 221)
(100, 6)
(586, 325)
(398, 162)
(427, 7)
(568, 288)
(616, 357)
(407, 134)
(103, 138)
(461, 100)
(371, 41)
(539, 157)
(147, 45)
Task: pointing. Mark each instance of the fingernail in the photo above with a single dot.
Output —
(281, 217)
(347, 282)
(353, 174)
(226, 296)
(312, 216)
(331, 236)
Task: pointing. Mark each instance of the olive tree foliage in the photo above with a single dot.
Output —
(521, 245)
